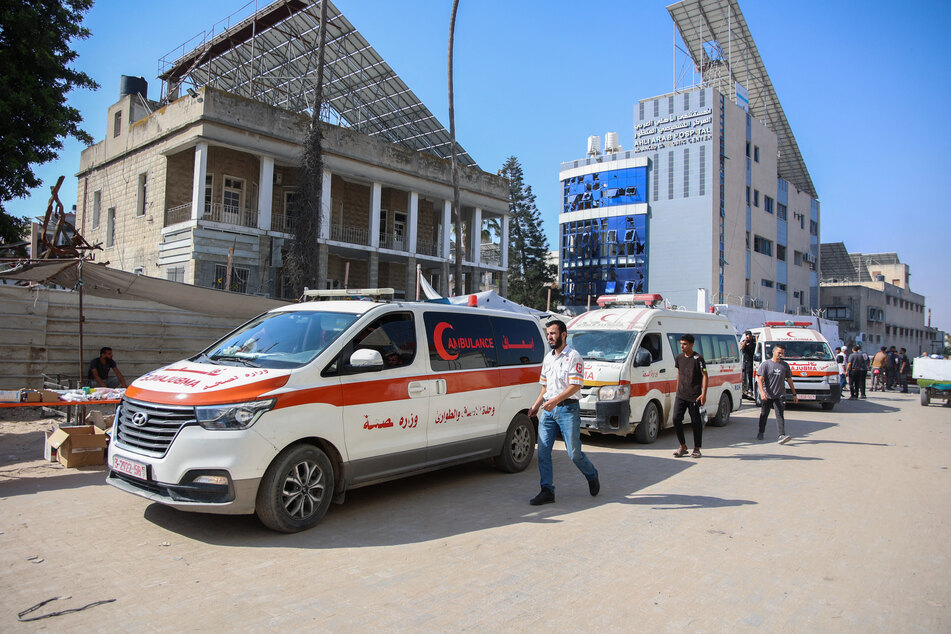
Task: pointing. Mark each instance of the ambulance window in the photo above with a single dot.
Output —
(392, 335)
(459, 341)
(652, 343)
(708, 349)
(518, 341)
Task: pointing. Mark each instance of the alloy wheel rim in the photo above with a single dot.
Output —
(303, 490)
(520, 444)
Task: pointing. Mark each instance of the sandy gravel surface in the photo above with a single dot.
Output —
(846, 528)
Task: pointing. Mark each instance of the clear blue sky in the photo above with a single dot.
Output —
(864, 86)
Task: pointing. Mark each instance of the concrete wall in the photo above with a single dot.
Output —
(40, 334)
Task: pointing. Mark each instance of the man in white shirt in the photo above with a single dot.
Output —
(561, 379)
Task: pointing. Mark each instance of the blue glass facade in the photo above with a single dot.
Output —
(604, 253)
(605, 189)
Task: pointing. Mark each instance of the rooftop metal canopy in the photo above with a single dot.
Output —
(271, 56)
(720, 43)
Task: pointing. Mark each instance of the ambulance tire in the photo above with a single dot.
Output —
(519, 446)
(296, 489)
(723, 412)
(649, 427)
(828, 405)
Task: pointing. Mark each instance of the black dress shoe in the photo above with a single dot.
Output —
(594, 485)
(545, 496)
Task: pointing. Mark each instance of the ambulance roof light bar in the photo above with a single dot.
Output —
(651, 300)
(799, 324)
(348, 293)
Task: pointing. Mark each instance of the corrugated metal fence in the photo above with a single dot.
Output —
(39, 334)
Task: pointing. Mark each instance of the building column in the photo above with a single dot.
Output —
(198, 180)
(265, 192)
(446, 231)
(477, 238)
(504, 246)
(376, 194)
(444, 289)
(413, 229)
(411, 278)
(373, 270)
(325, 207)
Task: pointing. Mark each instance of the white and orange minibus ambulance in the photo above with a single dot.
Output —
(629, 346)
(307, 401)
(815, 372)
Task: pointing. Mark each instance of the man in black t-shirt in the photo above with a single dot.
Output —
(857, 368)
(691, 394)
(98, 375)
(747, 347)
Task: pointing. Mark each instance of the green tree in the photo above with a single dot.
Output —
(529, 275)
(35, 79)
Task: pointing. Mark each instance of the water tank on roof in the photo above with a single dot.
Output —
(133, 85)
(594, 145)
(610, 143)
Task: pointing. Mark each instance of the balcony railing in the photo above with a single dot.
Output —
(425, 247)
(352, 235)
(282, 223)
(216, 212)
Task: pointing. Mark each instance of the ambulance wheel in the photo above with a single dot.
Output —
(519, 445)
(649, 428)
(296, 490)
(723, 412)
(828, 405)
(925, 397)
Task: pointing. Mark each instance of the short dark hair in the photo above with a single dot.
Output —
(687, 337)
(857, 346)
(884, 348)
(902, 350)
(559, 324)
(780, 345)
(103, 350)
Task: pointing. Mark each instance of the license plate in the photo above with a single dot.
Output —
(130, 467)
(807, 397)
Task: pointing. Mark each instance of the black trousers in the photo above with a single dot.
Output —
(682, 406)
(857, 382)
(748, 382)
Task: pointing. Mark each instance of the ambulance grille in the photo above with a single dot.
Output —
(161, 424)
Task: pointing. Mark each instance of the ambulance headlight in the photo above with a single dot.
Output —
(614, 393)
(233, 415)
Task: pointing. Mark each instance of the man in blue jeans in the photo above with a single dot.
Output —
(561, 380)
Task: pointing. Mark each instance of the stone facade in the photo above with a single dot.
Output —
(204, 184)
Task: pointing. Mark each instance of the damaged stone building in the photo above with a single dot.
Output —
(196, 187)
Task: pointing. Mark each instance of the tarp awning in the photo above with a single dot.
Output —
(101, 281)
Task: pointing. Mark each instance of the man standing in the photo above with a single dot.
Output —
(891, 368)
(878, 370)
(561, 380)
(98, 375)
(773, 376)
(840, 362)
(691, 394)
(747, 347)
(904, 370)
(857, 368)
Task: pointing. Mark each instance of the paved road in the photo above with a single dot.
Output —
(845, 528)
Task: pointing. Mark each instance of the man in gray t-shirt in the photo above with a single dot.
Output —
(772, 377)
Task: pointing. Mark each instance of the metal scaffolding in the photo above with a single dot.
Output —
(271, 56)
(720, 43)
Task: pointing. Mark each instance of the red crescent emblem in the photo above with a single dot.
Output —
(437, 342)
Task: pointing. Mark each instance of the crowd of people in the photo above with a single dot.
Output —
(890, 369)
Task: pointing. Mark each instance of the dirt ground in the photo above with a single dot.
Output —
(846, 528)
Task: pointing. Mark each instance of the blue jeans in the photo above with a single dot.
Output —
(567, 418)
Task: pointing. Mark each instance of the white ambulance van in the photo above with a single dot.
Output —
(307, 401)
(629, 346)
(815, 372)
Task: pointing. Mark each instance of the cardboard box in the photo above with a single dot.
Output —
(40, 396)
(10, 396)
(81, 446)
(95, 417)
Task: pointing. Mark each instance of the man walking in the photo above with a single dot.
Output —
(857, 369)
(691, 394)
(878, 370)
(561, 379)
(904, 370)
(747, 347)
(840, 362)
(773, 376)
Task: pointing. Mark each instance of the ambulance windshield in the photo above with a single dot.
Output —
(803, 351)
(279, 340)
(602, 345)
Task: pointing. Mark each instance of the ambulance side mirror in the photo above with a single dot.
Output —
(642, 358)
(366, 359)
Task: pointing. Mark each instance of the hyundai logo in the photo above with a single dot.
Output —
(139, 419)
